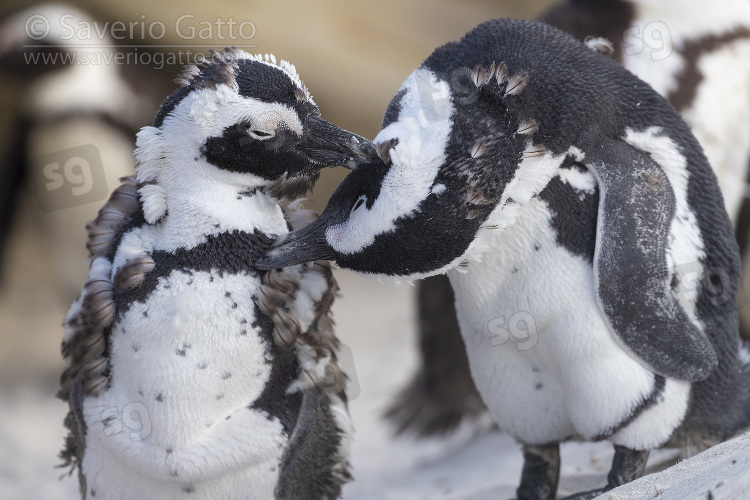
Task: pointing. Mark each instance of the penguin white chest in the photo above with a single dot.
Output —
(186, 365)
(542, 357)
(191, 348)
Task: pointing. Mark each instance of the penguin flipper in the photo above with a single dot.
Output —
(633, 275)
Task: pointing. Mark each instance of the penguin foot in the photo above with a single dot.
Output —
(627, 465)
(541, 470)
(422, 410)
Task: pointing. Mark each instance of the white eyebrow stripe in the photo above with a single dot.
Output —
(211, 109)
(423, 130)
(267, 116)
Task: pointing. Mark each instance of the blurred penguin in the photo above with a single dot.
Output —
(76, 102)
(698, 58)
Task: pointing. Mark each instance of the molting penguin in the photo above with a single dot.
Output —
(698, 60)
(583, 232)
(190, 373)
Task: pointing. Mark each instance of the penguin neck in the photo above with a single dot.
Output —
(243, 208)
(190, 199)
(207, 206)
(519, 201)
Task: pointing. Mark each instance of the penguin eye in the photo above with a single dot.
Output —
(261, 134)
(359, 202)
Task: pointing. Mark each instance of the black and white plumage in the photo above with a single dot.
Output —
(192, 374)
(551, 183)
(698, 60)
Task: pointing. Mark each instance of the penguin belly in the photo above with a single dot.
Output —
(177, 418)
(541, 353)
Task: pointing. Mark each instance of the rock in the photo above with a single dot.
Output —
(719, 473)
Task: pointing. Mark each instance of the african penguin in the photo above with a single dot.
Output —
(700, 61)
(190, 373)
(584, 235)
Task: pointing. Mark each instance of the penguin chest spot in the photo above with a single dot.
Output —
(190, 353)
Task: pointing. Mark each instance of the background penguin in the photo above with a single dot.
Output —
(63, 106)
(575, 214)
(190, 373)
(698, 60)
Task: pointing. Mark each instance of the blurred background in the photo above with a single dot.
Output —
(67, 133)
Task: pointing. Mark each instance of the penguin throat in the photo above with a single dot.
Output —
(214, 208)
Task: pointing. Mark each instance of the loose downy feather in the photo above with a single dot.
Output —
(84, 345)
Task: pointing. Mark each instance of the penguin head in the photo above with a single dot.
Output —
(479, 130)
(451, 142)
(245, 122)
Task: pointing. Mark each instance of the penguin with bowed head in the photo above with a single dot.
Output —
(583, 232)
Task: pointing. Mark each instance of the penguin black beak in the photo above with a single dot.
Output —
(326, 145)
(304, 245)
